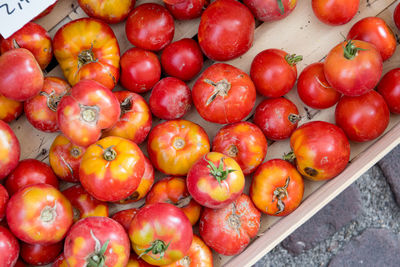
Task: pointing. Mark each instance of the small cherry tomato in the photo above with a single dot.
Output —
(40, 255)
(9, 150)
(188, 9)
(270, 10)
(10, 109)
(9, 248)
(107, 11)
(389, 88)
(335, 12)
(396, 16)
(4, 197)
(125, 217)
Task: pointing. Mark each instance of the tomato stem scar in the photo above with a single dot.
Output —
(279, 194)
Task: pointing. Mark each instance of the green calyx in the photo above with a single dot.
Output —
(156, 247)
(293, 59)
(281, 7)
(350, 50)
(290, 156)
(218, 173)
(98, 258)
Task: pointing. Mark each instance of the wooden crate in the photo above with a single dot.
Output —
(299, 33)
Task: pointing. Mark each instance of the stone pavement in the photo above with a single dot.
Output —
(358, 228)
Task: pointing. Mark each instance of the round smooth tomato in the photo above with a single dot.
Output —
(274, 72)
(188, 9)
(173, 190)
(322, 150)
(226, 30)
(215, 180)
(125, 217)
(174, 146)
(107, 11)
(389, 88)
(362, 118)
(9, 248)
(46, 11)
(160, 233)
(396, 16)
(277, 118)
(10, 109)
(270, 10)
(41, 110)
(111, 169)
(4, 197)
(85, 111)
(150, 26)
(335, 12)
(224, 94)
(244, 142)
(182, 59)
(353, 67)
(39, 214)
(87, 48)
(40, 255)
(228, 230)
(277, 188)
(96, 241)
(29, 172)
(313, 88)
(135, 120)
(140, 70)
(10, 150)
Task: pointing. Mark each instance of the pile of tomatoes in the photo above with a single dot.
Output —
(98, 157)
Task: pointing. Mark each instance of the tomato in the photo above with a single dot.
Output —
(313, 88)
(87, 48)
(182, 59)
(353, 67)
(173, 190)
(20, 75)
(170, 99)
(10, 109)
(270, 10)
(226, 30)
(60, 261)
(107, 10)
(97, 241)
(4, 197)
(135, 261)
(41, 109)
(29, 172)
(111, 168)
(223, 94)
(244, 142)
(174, 146)
(39, 214)
(150, 26)
(277, 118)
(125, 217)
(321, 149)
(188, 9)
(40, 255)
(46, 11)
(335, 12)
(9, 150)
(20, 263)
(160, 233)
(135, 120)
(396, 16)
(362, 118)
(215, 180)
(9, 248)
(65, 158)
(228, 230)
(389, 88)
(89, 108)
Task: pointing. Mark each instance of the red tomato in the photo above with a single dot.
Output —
(20, 263)
(269, 10)
(224, 94)
(228, 230)
(107, 10)
(125, 217)
(274, 72)
(188, 9)
(182, 59)
(226, 30)
(140, 70)
(4, 196)
(150, 26)
(160, 233)
(60, 261)
(244, 142)
(362, 118)
(39, 214)
(41, 109)
(89, 108)
(389, 88)
(45, 12)
(396, 16)
(10, 109)
(29, 172)
(170, 99)
(313, 88)
(96, 241)
(9, 150)
(20, 75)
(335, 12)
(9, 248)
(353, 67)
(40, 255)
(215, 180)
(277, 118)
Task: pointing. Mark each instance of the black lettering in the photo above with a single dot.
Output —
(7, 9)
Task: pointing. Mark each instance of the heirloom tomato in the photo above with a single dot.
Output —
(321, 149)
(173, 190)
(4, 197)
(107, 10)
(40, 255)
(269, 10)
(215, 180)
(174, 146)
(9, 248)
(226, 30)
(88, 109)
(46, 11)
(389, 88)
(60, 261)
(223, 94)
(353, 67)
(96, 241)
(160, 233)
(396, 16)
(87, 48)
(9, 150)
(125, 217)
(10, 109)
(135, 261)
(277, 188)
(228, 230)
(244, 142)
(188, 9)
(39, 214)
(111, 169)
(335, 12)
(41, 110)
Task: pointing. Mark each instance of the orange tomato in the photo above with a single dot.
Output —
(107, 10)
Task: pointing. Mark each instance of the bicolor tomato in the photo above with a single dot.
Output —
(335, 12)
(4, 197)
(188, 9)
(389, 88)
(10, 109)
(40, 255)
(107, 10)
(125, 217)
(270, 10)
(10, 150)
(135, 261)
(9, 248)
